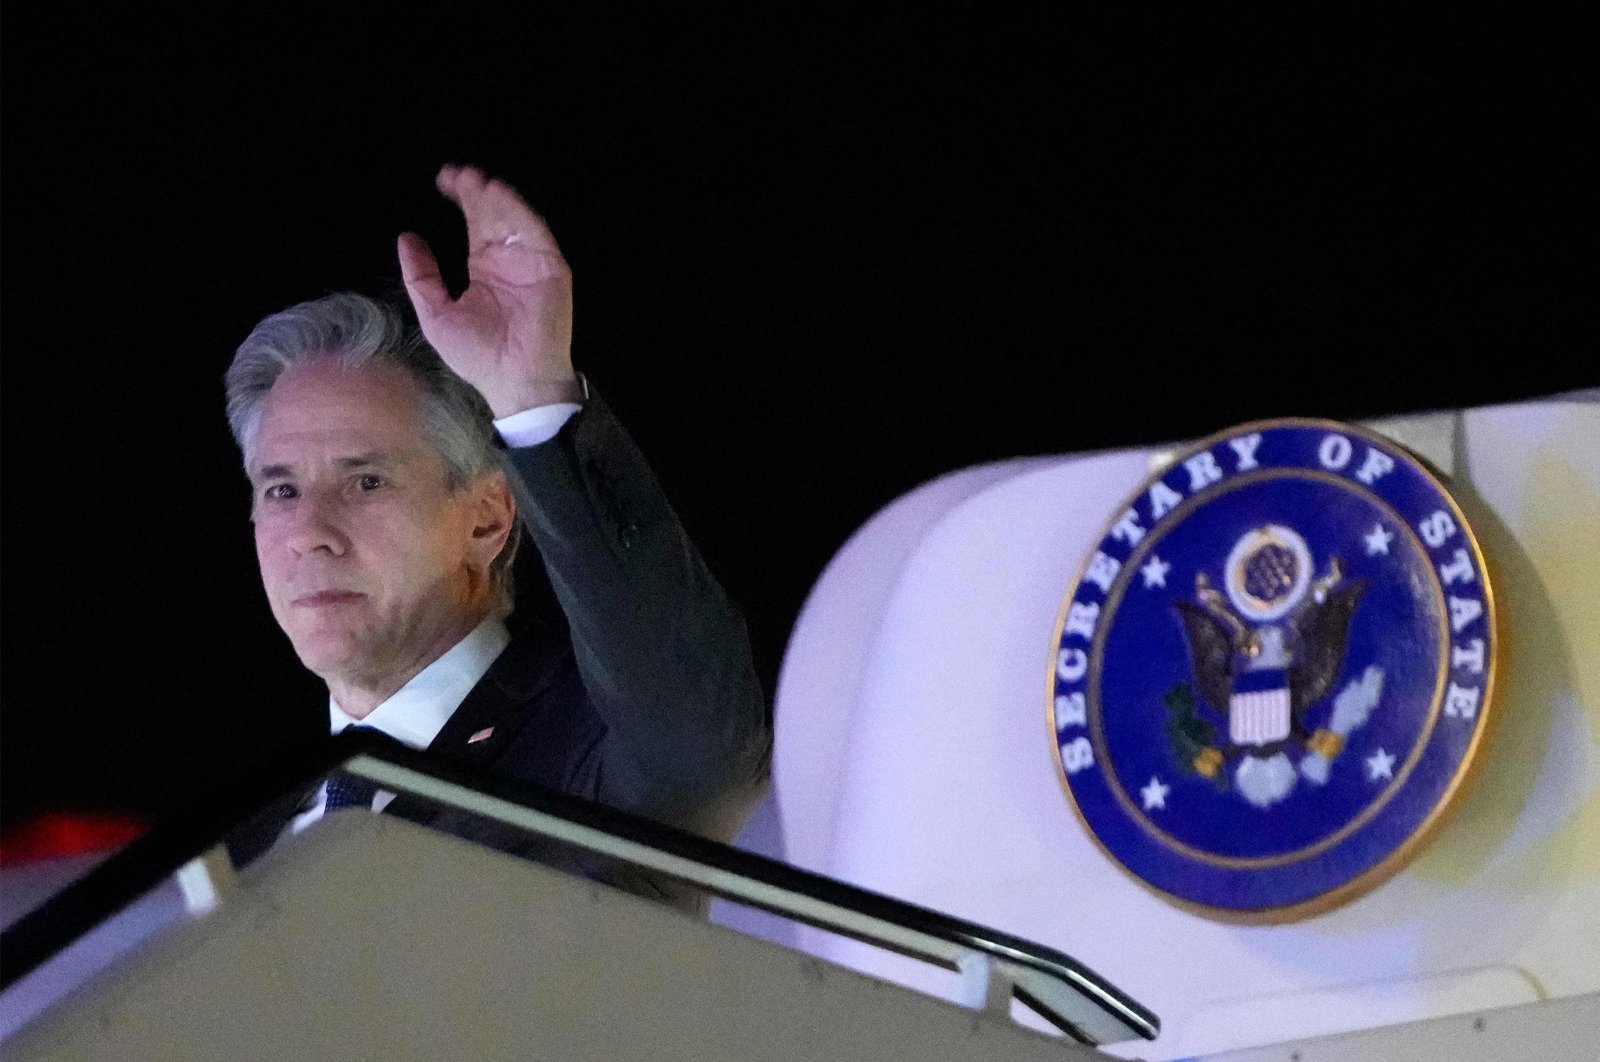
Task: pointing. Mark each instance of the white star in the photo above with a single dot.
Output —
(1155, 794)
(1380, 765)
(1378, 541)
(1155, 572)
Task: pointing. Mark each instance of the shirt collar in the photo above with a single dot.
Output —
(415, 713)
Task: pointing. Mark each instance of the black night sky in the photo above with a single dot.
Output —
(818, 262)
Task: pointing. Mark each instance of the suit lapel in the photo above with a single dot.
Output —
(493, 713)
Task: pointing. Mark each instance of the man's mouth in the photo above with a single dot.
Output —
(326, 598)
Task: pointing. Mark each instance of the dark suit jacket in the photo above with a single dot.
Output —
(644, 699)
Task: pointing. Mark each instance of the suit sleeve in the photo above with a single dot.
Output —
(662, 651)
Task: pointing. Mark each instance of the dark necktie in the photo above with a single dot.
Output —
(347, 790)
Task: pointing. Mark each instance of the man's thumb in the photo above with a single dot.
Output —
(420, 271)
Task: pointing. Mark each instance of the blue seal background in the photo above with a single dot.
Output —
(1397, 627)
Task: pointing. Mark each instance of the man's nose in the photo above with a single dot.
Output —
(316, 527)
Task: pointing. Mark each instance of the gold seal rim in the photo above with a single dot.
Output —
(1451, 797)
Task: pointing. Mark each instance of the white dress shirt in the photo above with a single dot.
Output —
(539, 424)
(415, 713)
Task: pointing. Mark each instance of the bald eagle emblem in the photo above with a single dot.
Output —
(1266, 652)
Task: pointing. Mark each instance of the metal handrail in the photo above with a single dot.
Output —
(1064, 992)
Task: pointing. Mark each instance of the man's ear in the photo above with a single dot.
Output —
(494, 517)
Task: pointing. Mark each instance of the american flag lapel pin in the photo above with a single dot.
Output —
(480, 735)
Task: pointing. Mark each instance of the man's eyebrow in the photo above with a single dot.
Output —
(370, 459)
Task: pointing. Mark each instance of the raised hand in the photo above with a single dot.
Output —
(510, 332)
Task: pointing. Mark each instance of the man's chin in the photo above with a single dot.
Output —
(331, 657)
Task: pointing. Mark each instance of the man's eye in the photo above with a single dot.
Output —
(369, 482)
(281, 492)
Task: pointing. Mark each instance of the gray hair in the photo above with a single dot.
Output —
(356, 332)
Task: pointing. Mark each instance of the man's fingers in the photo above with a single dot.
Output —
(521, 221)
(420, 271)
(494, 212)
(458, 181)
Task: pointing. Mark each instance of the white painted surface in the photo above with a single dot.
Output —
(914, 757)
(369, 937)
(1561, 1030)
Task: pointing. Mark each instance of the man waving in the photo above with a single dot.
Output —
(389, 486)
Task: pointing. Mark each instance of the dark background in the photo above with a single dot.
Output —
(818, 263)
